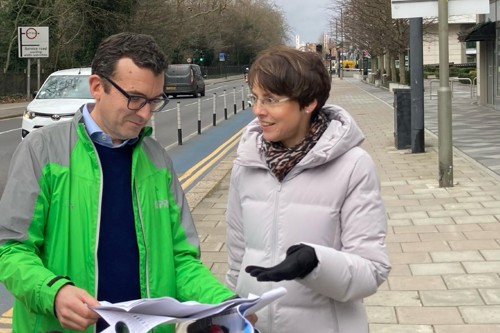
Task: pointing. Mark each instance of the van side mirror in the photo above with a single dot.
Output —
(33, 94)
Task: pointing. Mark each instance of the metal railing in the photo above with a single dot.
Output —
(452, 81)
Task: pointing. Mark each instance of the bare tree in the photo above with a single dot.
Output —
(368, 25)
(181, 27)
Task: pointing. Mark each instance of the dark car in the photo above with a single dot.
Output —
(184, 79)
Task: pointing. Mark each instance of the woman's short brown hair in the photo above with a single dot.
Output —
(289, 72)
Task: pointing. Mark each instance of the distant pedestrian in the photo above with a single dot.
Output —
(245, 73)
(304, 202)
(92, 209)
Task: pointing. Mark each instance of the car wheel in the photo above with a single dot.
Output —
(203, 93)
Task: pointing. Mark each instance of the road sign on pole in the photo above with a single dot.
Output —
(33, 42)
(428, 8)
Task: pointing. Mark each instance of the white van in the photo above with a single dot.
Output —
(60, 96)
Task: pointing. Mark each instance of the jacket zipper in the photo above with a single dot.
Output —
(146, 273)
(275, 242)
(98, 229)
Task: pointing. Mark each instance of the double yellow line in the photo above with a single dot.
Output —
(197, 171)
(6, 321)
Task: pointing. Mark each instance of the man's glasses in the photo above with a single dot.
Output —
(266, 101)
(136, 102)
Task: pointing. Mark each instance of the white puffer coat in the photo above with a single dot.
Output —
(331, 201)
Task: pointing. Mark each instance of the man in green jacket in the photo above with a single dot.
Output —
(92, 209)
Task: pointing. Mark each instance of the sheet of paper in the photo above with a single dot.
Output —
(142, 315)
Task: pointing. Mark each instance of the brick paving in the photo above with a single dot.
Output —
(444, 243)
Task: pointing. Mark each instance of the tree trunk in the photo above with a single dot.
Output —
(394, 75)
(382, 65)
(402, 68)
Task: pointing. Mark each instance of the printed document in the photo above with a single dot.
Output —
(142, 315)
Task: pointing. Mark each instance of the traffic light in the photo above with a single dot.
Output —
(202, 57)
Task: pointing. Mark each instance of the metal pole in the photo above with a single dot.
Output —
(179, 126)
(234, 98)
(444, 102)
(330, 60)
(342, 42)
(38, 69)
(417, 85)
(337, 46)
(214, 114)
(242, 98)
(199, 115)
(225, 105)
(28, 80)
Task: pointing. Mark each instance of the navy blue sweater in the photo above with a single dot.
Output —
(117, 254)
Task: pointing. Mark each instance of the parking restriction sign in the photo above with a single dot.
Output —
(33, 42)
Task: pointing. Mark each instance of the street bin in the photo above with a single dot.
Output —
(402, 118)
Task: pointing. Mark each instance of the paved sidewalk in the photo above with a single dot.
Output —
(444, 243)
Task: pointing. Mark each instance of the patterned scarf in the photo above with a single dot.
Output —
(281, 159)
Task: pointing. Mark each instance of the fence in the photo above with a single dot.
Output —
(15, 83)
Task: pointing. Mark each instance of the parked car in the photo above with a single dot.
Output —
(60, 96)
(184, 79)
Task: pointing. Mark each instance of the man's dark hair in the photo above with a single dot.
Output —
(141, 49)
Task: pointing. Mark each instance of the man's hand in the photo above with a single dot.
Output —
(72, 306)
(300, 260)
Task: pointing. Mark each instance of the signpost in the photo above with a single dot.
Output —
(442, 9)
(33, 42)
(429, 8)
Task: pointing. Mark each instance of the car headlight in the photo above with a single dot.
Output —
(29, 115)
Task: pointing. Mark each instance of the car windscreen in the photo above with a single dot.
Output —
(65, 86)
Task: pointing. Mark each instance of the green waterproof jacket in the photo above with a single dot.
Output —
(49, 226)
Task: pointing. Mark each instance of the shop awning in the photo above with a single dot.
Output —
(479, 33)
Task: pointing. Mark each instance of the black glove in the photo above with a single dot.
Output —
(300, 260)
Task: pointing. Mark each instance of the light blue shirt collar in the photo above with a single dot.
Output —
(96, 133)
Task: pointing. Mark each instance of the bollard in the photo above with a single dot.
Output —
(225, 105)
(214, 115)
(402, 118)
(179, 127)
(234, 96)
(242, 97)
(199, 115)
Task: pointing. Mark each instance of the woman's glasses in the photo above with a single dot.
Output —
(266, 101)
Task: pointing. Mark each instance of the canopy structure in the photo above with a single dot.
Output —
(479, 33)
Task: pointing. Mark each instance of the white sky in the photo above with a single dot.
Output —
(307, 18)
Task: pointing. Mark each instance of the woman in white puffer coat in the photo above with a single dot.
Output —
(304, 209)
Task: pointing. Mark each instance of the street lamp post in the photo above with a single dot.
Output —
(444, 101)
(342, 43)
(330, 59)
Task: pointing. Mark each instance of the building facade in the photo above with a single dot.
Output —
(459, 53)
(486, 33)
